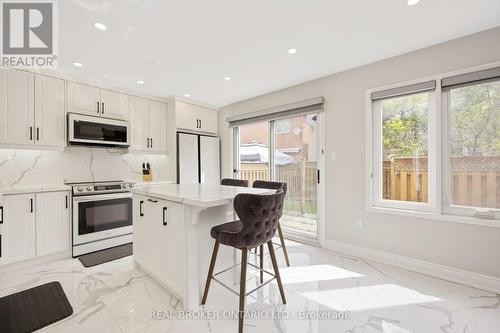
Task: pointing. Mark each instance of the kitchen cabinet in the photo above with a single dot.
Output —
(17, 228)
(148, 123)
(50, 115)
(31, 109)
(195, 118)
(86, 99)
(52, 222)
(157, 239)
(16, 107)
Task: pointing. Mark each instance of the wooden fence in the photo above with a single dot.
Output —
(301, 179)
(475, 180)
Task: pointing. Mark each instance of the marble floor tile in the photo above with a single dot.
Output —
(325, 292)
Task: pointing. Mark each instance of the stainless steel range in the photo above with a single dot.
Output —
(102, 215)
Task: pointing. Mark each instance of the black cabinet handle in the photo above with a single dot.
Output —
(151, 200)
(151, 142)
(97, 106)
(0, 246)
(1, 214)
(318, 176)
(165, 222)
(141, 213)
(31, 133)
(37, 134)
(102, 103)
(31, 205)
(66, 202)
(148, 142)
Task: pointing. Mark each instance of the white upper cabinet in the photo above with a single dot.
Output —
(195, 118)
(113, 104)
(50, 116)
(148, 123)
(94, 101)
(17, 229)
(158, 126)
(52, 222)
(16, 107)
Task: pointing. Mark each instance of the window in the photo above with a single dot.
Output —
(401, 148)
(473, 149)
(282, 126)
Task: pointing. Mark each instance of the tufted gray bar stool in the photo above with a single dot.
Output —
(259, 218)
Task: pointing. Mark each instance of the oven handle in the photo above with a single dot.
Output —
(101, 197)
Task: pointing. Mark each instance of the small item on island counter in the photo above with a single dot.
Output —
(147, 174)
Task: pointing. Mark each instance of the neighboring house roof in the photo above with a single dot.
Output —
(259, 153)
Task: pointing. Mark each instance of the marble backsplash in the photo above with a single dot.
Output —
(37, 167)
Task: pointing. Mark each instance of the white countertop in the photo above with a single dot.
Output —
(33, 189)
(200, 195)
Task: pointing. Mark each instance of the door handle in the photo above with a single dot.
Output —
(148, 142)
(97, 106)
(318, 176)
(1, 214)
(31, 133)
(37, 134)
(151, 142)
(31, 205)
(141, 213)
(165, 222)
(66, 202)
(102, 109)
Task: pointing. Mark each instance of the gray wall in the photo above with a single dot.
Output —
(462, 246)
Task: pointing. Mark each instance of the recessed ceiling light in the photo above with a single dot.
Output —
(140, 81)
(227, 78)
(292, 51)
(186, 95)
(100, 26)
(77, 64)
(412, 2)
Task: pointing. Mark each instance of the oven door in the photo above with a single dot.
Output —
(97, 217)
(94, 130)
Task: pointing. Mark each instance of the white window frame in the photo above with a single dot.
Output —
(376, 183)
(438, 210)
(447, 207)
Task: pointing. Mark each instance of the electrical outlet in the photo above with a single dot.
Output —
(358, 224)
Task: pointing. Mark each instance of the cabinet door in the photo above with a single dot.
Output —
(18, 228)
(154, 259)
(185, 116)
(52, 222)
(208, 120)
(113, 104)
(172, 232)
(158, 126)
(16, 107)
(50, 115)
(83, 99)
(138, 115)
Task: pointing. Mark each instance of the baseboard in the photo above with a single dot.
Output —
(35, 261)
(475, 280)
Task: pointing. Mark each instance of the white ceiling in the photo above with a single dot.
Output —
(188, 46)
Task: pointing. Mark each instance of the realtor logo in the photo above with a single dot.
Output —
(28, 33)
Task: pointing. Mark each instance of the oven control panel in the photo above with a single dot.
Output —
(102, 188)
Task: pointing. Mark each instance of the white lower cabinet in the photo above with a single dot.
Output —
(157, 239)
(52, 222)
(33, 225)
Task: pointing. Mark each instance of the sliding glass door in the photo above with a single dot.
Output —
(284, 150)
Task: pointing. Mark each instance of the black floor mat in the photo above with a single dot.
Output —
(33, 309)
(100, 257)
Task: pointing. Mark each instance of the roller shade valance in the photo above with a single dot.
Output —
(404, 90)
(313, 105)
(470, 78)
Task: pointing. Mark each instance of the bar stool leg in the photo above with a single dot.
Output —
(210, 272)
(261, 257)
(282, 241)
(243, 280)
(276, 270)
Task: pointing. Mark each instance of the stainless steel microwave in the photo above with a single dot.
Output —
(89, 130)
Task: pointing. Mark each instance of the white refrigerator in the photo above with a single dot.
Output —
(198, 159)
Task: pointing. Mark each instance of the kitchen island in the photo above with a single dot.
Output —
(172, 239)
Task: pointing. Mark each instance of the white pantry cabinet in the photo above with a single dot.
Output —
(17, 117)
(195, 118)
(17, 227)
(31, 109)
(52, 222)
(33, 225)
(157, 239)
(148, 123)
(86, 99)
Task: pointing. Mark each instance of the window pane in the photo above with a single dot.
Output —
(404, 148)
(254, 152)
(474, 143)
